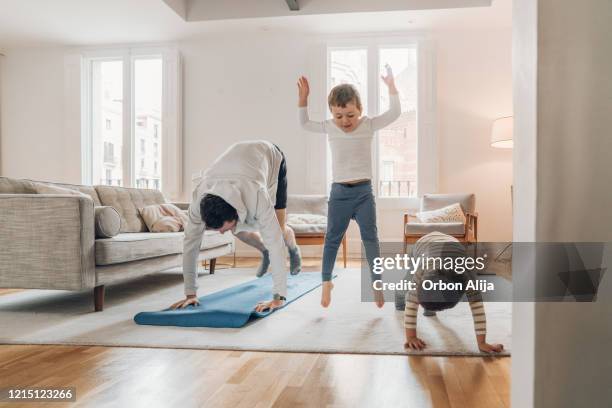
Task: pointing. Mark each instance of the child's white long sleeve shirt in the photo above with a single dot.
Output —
(352, 151)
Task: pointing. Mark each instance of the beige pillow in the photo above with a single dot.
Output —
(451, 213)
(163, 218)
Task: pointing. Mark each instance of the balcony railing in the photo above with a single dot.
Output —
(110, 182)
(394, 188)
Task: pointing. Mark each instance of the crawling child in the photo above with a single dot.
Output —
(437, 244)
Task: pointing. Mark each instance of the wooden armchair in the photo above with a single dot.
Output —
(465, 232)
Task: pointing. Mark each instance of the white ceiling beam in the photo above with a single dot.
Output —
(293, 5)
(202, 10)
(179, 7)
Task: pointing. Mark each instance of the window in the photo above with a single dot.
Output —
(106, 102)
(398, 173)
(109, 155)
(397, 143)
(129, 96)
(387, 173)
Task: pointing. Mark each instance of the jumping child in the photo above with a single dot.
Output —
(350, 139)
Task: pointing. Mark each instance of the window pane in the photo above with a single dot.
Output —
(350, 66)
(397, 143)
(107, 122)
(147, 126)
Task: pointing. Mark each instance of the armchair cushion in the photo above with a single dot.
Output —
(307, 224)
(451, 213)
(435, 201)
(307, 204)
(450, 228)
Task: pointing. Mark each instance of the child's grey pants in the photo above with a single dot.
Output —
(348, 202)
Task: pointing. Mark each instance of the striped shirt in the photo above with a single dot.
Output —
(437, 244)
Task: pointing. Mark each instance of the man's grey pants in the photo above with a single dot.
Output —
(348, 202)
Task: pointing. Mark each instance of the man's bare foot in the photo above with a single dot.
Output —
(379, 298)
(326, 293)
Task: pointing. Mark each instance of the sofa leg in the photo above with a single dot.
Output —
(211, 268)
(99, 298)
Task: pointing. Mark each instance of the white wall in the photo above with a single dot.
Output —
(525, 194)
(558, 361)
(34, 143)
(475, 88)
(239, 87)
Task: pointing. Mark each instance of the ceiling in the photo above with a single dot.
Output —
(201, 10)
(27, 23)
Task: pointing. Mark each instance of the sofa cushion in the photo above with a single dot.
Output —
(127, 247)
(16, 186)
(164, 218)
(307, 224)
(307, 204)
(107, 221)
(88, 190)
(127, 201)
(44, 188)
(450, 228)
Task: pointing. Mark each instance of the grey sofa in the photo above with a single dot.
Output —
(48, 240)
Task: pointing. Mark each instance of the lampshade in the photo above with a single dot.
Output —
(501, 134)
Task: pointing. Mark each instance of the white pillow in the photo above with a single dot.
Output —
(311, 219)
(451, 213)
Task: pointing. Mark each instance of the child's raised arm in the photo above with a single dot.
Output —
(395, 108)
(305, 122)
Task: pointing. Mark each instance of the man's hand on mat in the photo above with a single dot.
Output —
(190, 300)
(414, 343)
(269, 305)
(490, 348)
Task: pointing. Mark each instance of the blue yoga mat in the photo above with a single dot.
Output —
(232, 307)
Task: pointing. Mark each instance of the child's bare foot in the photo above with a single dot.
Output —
(379, 298)
(326, 293)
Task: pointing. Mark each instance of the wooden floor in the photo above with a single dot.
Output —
(134, 377)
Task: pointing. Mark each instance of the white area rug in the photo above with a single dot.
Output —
(348, 326)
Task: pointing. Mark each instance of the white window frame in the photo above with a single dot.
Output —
(171, 128)
(427, 146)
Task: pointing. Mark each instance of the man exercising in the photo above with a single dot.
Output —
(243, 191)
